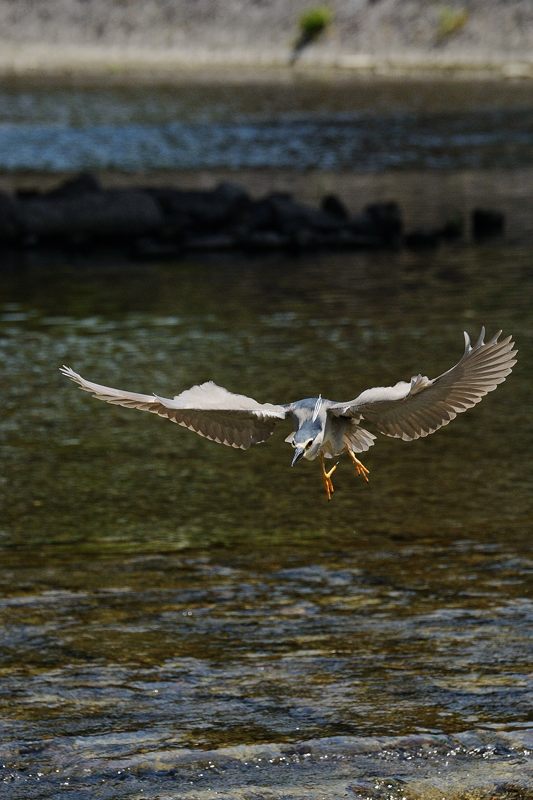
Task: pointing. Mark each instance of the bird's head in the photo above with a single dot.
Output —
(306, 442)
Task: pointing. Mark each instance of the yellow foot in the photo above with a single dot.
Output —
(360, 468)
(326, 477)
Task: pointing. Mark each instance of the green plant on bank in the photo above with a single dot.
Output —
(451, 21)
(314, 22)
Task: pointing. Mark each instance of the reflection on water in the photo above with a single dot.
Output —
(162, 593)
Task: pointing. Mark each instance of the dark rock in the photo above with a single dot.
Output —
(422, 239)
(427, 238)
(290, 217)
(384, 220)
(350, 240)
(219, 241)
(332, 205)
(453, 229)
(487, 223)
(23, 194)
(259, 216)
(163, 222)
(149, 249)
(198, 209)
(304, 239)
(257, 241)
(10, 220)
(232, 193)
(84, 183)
(173, 207)
(361, 229)
(105, 215)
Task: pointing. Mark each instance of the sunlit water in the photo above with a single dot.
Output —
(182, 620)
(298, 123)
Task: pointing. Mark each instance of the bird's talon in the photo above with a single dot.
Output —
(326, 477)
(331, 471)
(360, 468)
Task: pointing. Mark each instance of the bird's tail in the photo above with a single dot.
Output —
(358, 439)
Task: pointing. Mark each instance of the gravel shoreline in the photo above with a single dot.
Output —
(158, 39)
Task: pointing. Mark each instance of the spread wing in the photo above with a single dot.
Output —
(207, 409)
(410, 410)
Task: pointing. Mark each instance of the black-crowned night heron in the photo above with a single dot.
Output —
(326, 428)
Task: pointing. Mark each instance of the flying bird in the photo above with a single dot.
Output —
(326, 429)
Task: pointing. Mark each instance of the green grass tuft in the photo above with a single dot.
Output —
(315, 21)
(451, 21)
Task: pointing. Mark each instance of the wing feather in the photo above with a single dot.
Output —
(207, 409)
(410, 410)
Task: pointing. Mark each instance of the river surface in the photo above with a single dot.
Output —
(176, 614)
(356, 126)
(180, 620)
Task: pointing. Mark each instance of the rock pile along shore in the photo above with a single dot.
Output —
(158, 222)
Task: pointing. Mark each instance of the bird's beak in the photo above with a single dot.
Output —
(298, 453)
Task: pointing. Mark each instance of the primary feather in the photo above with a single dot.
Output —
(407, 410)
(207, 409)
(410, 410)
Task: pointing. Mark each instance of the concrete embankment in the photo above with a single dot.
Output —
(155, 39)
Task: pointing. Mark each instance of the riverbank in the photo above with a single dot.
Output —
(155, 40)
(122, 65)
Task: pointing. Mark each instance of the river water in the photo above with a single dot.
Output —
(366, 126)
(182, 620)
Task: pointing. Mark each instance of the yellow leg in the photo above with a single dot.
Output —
(360, 468)
(326, 477)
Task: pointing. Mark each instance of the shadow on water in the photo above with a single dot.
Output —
(185, 620)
